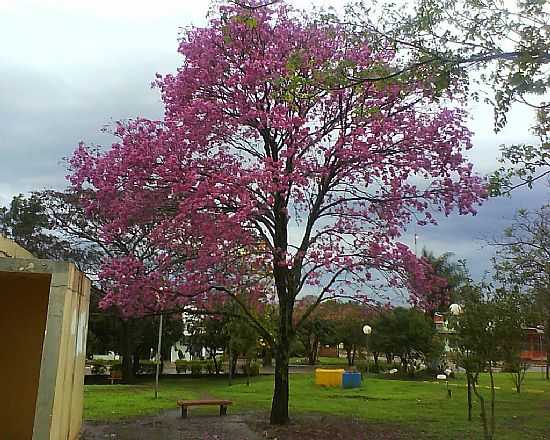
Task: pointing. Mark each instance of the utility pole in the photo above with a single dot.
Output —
(230, 369)
(158, 358)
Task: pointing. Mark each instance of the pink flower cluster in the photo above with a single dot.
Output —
(278, 161)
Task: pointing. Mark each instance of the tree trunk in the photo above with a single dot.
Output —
(487, 435)
(267, 359)
(127, 351)
(310, 350)
(316, 344)
(135, 363)
(546, 338)
(234, 360)
(493, 396)
(247, 367)
(348, 355)
(215, 361)
(469, 378)
(279, 406)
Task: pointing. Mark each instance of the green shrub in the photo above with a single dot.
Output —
(209, 366)
(182, 366)
(101, 366)
(373, 368)
(97, 368)
(196, 368)
(148, 367)
(116, 366)
(251, 370)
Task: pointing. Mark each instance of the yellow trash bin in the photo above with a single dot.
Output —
(329, 378)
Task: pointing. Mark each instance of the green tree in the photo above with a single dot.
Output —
(212, 333)
(349, 332)
(27, 222)
(453, 272)
(244, 342)
(489, 330)
(505, 45)
(408, 334)
(312, 333)
(315, 330)
(522, 261)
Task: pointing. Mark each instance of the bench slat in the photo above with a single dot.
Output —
(203, 402)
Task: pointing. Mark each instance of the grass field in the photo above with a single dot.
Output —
(419, 406)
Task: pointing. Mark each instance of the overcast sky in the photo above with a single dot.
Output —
(68, 68)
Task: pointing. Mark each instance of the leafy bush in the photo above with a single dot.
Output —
(251, 370)
(116, 366)
(96, 367)
(196, 368)
(148, 367)
(182, 366)
(209, 366)
(372, 367)
(101, 366)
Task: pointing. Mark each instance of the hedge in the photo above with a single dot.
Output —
(196, 367)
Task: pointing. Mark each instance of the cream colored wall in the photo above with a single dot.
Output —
(23, 310)
(43, 326)
(68, 403)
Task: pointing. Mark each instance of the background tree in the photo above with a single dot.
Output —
(244, 342)
(452, 273)
(489, 330)
(348, 319)
(263, 132)
(502, 44)
(522, 261)
(210, 333)
(408, 334)
(316, 330)
(26, 221)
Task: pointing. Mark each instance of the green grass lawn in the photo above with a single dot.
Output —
(422, 407)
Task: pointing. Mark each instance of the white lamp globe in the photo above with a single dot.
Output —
(455, 309)
(367, 329)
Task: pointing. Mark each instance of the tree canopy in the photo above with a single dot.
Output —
(270, 161)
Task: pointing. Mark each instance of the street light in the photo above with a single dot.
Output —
(367, 330)
(455, 309)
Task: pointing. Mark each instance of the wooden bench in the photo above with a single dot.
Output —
(223, 404)
(115, 375)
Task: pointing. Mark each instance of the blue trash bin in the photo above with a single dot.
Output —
(351, 379)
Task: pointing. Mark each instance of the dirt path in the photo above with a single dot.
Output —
(251, 426)
(169, 426)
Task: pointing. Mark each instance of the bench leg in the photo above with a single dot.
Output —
(223, 410)
(184, 411)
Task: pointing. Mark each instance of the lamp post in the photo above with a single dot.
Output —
(367, 330)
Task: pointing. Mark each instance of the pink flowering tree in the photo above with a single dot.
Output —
(274, 171)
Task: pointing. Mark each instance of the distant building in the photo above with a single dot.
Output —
(535, 348)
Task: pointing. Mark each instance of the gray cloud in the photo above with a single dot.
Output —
(468, 236)
(68, 68)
